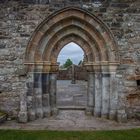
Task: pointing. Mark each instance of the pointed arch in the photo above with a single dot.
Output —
(63, 23)
(70, 50)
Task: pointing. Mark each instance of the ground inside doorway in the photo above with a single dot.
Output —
(71, 120)
(71, 95)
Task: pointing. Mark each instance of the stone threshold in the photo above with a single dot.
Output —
(71, 107)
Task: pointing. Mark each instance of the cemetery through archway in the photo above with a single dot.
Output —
(71, 79)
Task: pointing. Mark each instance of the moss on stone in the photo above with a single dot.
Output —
(1, 114)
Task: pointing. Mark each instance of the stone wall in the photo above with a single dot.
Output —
(80, 73)
(18, 20)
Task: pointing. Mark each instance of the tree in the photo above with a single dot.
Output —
(68, 63)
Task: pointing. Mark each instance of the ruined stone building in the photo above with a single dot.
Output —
(80, 73)
(32, 33)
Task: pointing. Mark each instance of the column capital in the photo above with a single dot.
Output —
(49, 67)
(101, 66)
(42, 67)
(113, 67)
(92, 67)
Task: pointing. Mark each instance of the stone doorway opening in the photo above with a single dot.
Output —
(77, 25)
(71, 93)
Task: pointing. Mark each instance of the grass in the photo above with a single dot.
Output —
(133, 134)
(1, 114)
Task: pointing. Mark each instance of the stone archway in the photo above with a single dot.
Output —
(93, 36)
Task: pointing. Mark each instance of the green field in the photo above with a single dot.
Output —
(133, 134)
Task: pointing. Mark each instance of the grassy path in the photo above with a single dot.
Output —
(133, 134)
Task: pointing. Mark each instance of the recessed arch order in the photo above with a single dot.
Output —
(67, 25)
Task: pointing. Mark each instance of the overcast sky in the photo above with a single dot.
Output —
(72, 51)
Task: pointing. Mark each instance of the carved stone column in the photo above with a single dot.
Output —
(98, 90)
(30, 97)
(46, 94)
(91, 89)
(98, 94)
(38, 94)
(53, 80)
(105, 92)
(22, 116)
(113, 92)
(49, 81)
(90, 94)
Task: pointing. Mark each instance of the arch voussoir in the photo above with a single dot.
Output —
(76, 39)
(75, 31)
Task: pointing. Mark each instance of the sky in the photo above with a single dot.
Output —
(72, 51)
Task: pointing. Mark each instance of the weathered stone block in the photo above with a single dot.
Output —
(22, 117)
(46, 112)
(2, 46)
(121, 116)
(120, 5)
(31, 115)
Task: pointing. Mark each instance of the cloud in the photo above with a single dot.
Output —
(72, 51)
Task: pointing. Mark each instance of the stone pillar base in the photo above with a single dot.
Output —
(97, 112)
(89, 111)
(55, 112)
(112, 115)
(121, 116)
(22, 117)
(32, 116)
(105, 115)
(47, 112)
(39, 113)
